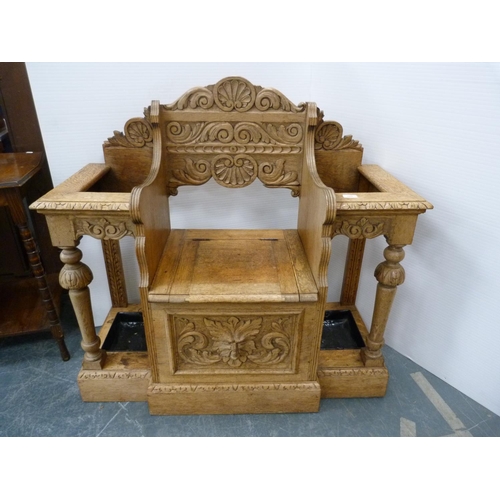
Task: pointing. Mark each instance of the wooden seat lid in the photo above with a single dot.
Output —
(233, 266)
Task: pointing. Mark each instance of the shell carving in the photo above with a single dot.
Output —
(234, 94)
(238, 171)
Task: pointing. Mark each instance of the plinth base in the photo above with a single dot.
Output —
(126, 374)
(342, 373)
(190, 399)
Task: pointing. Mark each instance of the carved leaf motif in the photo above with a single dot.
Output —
(182, 133)
(217, 132)
(275, 345)
(198, 97)
(274, 175)
(194, 173)
(273, 99)
(234, 342)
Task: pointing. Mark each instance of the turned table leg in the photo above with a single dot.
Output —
(389, 275)
(21, 220)
(75, 277)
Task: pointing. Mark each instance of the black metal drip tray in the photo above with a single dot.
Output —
(126, 333)
(340, 331)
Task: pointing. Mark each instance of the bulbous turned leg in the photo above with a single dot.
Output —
(75, 277)
(389, 275)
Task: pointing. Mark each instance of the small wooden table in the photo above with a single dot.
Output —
(27, 306)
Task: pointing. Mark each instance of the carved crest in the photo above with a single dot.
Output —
(235, 94)
(329, 137)
(138, 133)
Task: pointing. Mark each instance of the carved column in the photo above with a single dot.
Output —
(389, 275)
(75, 277)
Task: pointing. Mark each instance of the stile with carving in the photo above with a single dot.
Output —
(233, 321)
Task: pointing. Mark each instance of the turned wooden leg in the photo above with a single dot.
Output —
(75, 277)
(43, 288)
(389, 275)
(16, 206)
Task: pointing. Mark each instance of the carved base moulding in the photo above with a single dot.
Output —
(223, 398)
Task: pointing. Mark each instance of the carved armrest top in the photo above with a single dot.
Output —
(392, 194)
(73, 194)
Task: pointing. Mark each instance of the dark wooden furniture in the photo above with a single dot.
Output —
(26, 305)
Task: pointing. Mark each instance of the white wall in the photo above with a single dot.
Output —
(434, 126)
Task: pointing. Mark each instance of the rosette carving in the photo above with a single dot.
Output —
(237, 171)
(138, 134)
(233, 341)
(329, 137)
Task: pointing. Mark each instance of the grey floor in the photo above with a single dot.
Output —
(39, 397)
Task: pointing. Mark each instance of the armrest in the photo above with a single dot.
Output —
(150, 209)
(382, 180)
(316, 214)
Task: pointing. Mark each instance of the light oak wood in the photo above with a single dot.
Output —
(233, 319)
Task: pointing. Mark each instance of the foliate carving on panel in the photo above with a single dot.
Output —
(225, 133)
(363, 228)
(234, 171)
(194, 173)
(234, 342)
(102, 229)
(329, 137)
(138, 133)
(234, 94)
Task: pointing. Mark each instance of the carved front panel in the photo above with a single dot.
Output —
(239, 344)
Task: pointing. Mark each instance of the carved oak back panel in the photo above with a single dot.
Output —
(234, 132)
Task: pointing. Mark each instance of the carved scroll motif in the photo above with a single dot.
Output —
(329, 137)
(363, 228)
(241, 134)
(235, 94)
(234, 342)
(234, 172)
(275, 175)
(102, 229)
(138, 134)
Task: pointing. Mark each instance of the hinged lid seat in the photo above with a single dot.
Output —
(233, 266)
